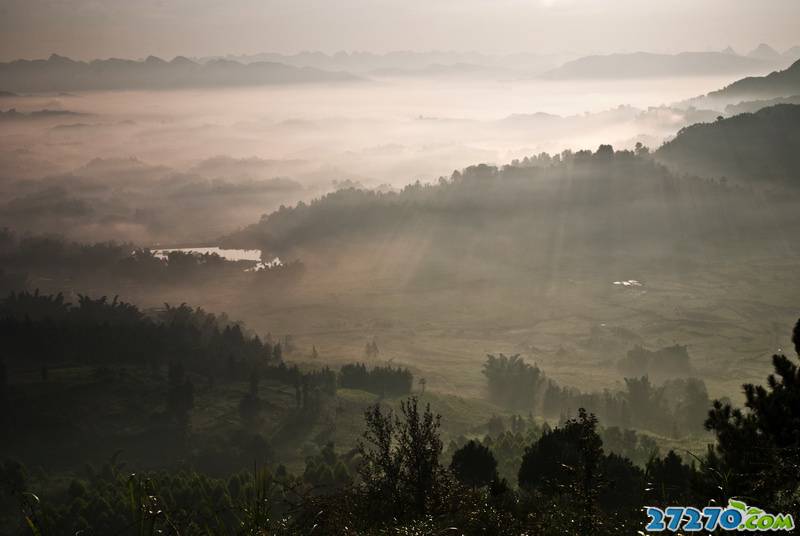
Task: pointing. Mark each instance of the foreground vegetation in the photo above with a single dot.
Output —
(182, 470)
(567, 484)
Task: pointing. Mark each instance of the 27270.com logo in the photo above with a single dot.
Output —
(736, 516)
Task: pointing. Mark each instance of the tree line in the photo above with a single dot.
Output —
(518, 199)
(674, 408)
(56, 257)
(384, 381)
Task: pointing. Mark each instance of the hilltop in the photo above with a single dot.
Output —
(578, 204)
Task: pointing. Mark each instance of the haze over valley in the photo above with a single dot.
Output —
(228, 155)
(512, 270)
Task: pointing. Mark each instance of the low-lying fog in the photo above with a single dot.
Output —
(178, 167)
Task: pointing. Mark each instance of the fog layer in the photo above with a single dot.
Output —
(184, 166)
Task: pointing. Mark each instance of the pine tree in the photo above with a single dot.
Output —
(760, 447)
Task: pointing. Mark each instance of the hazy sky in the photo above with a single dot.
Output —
(136, 28)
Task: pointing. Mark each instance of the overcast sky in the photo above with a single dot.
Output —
(136, 28)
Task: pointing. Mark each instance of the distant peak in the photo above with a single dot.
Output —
(764, 51)
(729, 50)
(181, 60)
(56, 58)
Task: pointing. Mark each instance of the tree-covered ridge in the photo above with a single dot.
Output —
(776, 84)
(161, 362)
(754, 148)
(41, 330)
(589, 200)
(468, 197)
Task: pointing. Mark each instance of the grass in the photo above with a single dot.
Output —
(576, 326)
(732, 316)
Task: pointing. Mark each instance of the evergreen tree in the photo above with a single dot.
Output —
(758, 449)
(669, 480)
(567, 460)
(474, 465)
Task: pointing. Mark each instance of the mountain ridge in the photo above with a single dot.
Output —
(60, 73)
(753, 148)
(782, 83)
(648, 64)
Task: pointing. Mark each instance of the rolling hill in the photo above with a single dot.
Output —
(777, 84)
(761, 147)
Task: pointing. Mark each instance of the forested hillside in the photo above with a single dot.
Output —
(577, 203)
(777, 84)
(760, 149)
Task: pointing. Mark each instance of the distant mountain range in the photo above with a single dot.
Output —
(410, 63)
(650, 65)
(14, 115)
(58, 73)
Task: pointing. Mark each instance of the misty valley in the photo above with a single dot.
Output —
(400, 294)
